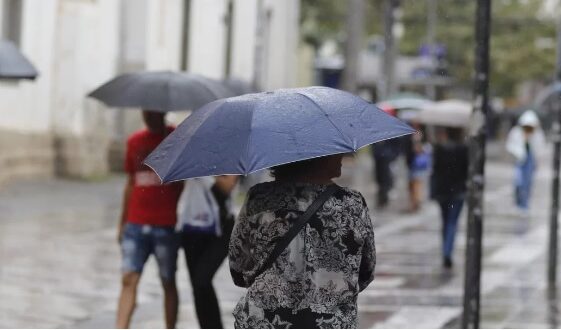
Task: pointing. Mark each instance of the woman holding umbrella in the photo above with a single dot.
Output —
(314, 282)
(449, 176)
(302, 246)
(449, 165)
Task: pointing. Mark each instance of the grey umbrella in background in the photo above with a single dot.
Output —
(239, 86)
(448, 113)
(13, 64)
(160, 91)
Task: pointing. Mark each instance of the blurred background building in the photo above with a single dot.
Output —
(49, 127)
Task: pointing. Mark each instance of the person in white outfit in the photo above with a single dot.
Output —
(525, 141)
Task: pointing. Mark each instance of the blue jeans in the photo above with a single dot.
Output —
(140, 241)
(450, 210)
(524, 174)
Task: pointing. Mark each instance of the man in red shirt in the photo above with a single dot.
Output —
(148, 221)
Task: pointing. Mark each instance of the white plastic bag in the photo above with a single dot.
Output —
(198, 210)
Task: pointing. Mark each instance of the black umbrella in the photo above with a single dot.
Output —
(13, 64)
(160, 91)
(239, 87)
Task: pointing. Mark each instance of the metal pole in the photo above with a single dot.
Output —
(353, 45)
(431, 41)
(229, 30)
(388, 84)
(556, 137)
(476, 167)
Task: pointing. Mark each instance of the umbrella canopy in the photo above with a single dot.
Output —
(13, 64)
(449, 113)
(244, 134)
(403, 101)
(160, 91)
(238, 86)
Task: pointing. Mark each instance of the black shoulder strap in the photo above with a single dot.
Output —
(284, 241)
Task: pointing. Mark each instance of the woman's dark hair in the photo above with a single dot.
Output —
(295, 169)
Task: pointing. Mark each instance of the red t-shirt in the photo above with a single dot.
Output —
(150, 202)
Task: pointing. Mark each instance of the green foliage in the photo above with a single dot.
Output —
(522, 42)
(324, 20)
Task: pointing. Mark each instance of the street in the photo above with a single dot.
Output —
(61, 260)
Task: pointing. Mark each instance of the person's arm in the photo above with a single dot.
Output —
(126, 197)
(239, 253)
(368, 261)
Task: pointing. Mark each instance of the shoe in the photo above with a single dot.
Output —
(447, 262)
(382, 201)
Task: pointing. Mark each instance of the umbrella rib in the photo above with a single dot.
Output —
(328, 118)
(248, 144)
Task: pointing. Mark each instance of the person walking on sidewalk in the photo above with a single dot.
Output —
(384, 154)
(524, 142)
(448, 184)
(418, 157)
(148, 221)
(304, 248)
(206, 223)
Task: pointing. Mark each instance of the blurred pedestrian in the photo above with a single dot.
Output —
(304, 248)
(524, 142)
(384, 153)
(418, 158)
(148, 221)
(206, 222)
(448, 184)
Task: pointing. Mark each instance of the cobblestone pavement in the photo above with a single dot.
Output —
(60, 260)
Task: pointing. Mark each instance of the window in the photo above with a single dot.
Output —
(11, 20)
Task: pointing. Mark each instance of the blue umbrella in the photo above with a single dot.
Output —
(244, 134)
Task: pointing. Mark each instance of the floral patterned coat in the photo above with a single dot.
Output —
(315, 282)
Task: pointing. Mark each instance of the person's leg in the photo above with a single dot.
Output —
(127, 300)
(417, 185)
(527, 176)
(383, 180)
(204, 255)
(519, 186)
(443, 216)
(171, 303)
(165, 251)
(135, 252)
(455, 208)
(411, 187)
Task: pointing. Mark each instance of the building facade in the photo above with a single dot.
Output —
(49, 126)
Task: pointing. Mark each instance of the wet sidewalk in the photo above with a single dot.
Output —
(60, 260)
